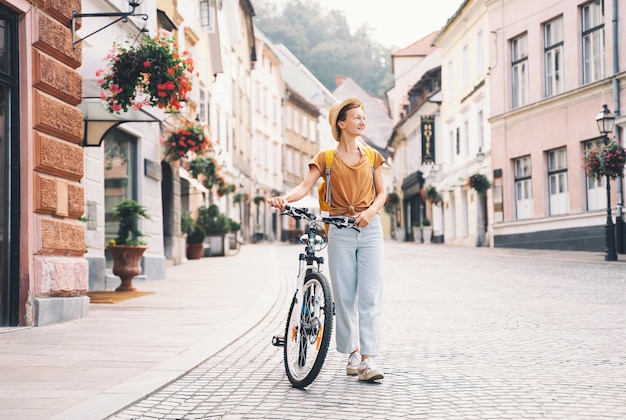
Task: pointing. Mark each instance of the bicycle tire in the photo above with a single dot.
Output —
(305, 349)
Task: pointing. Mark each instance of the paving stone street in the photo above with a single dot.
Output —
(468, 333)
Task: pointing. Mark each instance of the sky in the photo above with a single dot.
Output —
(396, 23)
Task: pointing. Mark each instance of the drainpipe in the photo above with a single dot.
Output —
(616, 106)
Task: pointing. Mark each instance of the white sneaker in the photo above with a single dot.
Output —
(353, 364)
(368, 370)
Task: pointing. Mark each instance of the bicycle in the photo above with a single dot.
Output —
(310, 318)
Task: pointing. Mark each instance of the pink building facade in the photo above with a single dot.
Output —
(553, 65)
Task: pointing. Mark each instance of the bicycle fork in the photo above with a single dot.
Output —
(295, 317)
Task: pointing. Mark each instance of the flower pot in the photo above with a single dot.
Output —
(428, 233)
(417, 234)
(195, 251)
(126, 264)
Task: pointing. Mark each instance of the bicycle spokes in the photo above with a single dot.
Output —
(309, 332)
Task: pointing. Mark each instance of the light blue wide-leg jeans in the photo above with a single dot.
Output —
(355, 263)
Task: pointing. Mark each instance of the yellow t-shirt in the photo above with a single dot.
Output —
(351, 187)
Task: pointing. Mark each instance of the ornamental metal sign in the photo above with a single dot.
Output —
(428, 139)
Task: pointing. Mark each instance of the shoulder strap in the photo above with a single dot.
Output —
(329, 154)
(371, 155)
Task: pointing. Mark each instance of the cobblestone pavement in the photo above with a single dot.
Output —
(468, 333)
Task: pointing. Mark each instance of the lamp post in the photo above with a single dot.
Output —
(606, 121)
(481, 234)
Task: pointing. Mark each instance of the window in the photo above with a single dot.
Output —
(304, 127)
(466, 138)
(296, 122)
(120, 176)
(312, 131)
(466, 67)
(593, 41)
(288, 117)
(449, 90)
(596, 188)
(458, 141)
(481, 130)
(519, 70)
(557, 181)
(479, 53)
(523, 188)
(553, 44)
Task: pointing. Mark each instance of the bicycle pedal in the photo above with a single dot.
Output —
(278, 341)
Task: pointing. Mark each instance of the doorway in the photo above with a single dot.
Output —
(9, 170)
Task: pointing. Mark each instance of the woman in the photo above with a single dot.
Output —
(355, 258)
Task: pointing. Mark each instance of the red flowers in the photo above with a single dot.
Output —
(151, 74)
(185, 142)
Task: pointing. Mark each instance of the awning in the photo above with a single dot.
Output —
(99, 121)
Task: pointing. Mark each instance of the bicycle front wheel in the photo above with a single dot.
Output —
(308, 331)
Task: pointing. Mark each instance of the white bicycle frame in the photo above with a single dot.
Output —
(303, 267)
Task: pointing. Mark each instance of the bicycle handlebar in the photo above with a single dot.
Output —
(339, 221)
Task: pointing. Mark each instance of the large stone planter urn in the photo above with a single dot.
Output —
(126, 264)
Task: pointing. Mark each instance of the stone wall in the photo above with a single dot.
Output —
(55, 235)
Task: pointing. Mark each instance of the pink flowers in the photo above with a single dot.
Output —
(153, 73)
(187, 141)
(606, 160)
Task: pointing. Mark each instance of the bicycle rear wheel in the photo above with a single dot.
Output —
(308, 331)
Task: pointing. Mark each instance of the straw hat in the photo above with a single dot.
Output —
(334, 113)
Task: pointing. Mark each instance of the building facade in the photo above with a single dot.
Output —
(553, 66)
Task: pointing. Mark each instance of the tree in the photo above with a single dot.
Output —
(322, 41)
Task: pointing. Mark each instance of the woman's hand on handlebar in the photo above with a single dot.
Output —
(278, 202)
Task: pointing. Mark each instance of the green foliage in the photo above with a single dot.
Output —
(206, 166)
(605, 160)
(426, 221)
(322, 41)
(240, 197)
(197, 236)
(234, 225)
(187, 224)
(188, 137)
(152, 73)
(479, 182)
(127, 213)
(433, 195)
(392, 202)
(212, 220)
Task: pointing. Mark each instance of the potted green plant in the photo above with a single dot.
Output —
(234, 228)
(195, 243)
(417, 232)
(127, 248)
(216, 226)
(427, 230)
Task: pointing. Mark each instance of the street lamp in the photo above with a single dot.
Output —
(481, 202)
(606, 121)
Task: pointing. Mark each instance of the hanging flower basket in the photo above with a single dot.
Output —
(606, 160)
(188, 138)
(479, 182)
(153, 73)
(392, 202)
(206, 170)
(433, 195)
(241, 197)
